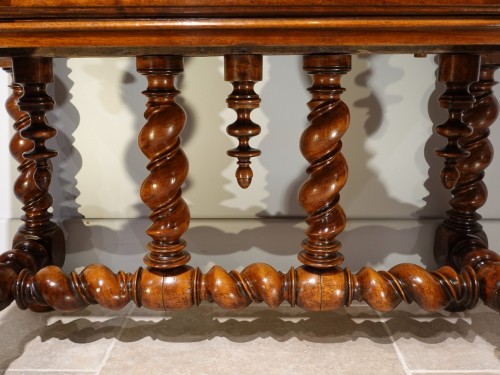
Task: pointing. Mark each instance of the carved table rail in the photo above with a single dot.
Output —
(465, 34)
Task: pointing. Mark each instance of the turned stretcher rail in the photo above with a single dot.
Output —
(305, 287)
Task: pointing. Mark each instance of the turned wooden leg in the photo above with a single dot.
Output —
(461, 173)
(320, 144)
(460, 240)
(33, 74)
(159, 141)
(39, 242)
(243, 71)
(473, 109)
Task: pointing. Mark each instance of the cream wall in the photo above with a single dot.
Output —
(389, 146)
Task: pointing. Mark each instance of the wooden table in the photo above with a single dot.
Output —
(465, 34)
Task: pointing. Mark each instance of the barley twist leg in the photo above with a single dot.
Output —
(39, 241)
(159, 141)
(460, 240)
(321, 144)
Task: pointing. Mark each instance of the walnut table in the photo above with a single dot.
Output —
(465, 35)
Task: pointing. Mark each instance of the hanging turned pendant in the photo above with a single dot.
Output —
(243, 71)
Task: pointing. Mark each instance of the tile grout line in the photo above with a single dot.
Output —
(417, 372)
(48, 371)
(395, 346)
(483, 371)
(107, 355)
(407, 370)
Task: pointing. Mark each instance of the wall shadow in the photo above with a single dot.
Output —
(82, 239)
(64, 188)
(367, 121)
(212, 171)
(438, 197)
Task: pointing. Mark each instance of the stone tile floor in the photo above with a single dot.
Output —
(208, 340)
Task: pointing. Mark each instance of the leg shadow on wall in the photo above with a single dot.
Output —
(88, 242)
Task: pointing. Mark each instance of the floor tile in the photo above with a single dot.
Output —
(22, 372)
(55, 341)
(208, 340)
(463, 342)
(458, 372)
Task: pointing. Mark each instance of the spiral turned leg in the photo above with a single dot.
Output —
(33, 74)
(159, 141)
(243, 71)
(461, 231)
(460, 240)
(39, 242)
(321, 144)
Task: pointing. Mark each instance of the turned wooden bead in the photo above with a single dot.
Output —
(109, 289)
(242, 68)
(25, 71)
(8, 277)
(263, 283)
(53, 286)
(459, 68)
(220, 287)
(320, 290)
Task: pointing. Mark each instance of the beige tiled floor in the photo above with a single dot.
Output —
(208, 340)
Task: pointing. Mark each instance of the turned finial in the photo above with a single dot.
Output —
(243, 71)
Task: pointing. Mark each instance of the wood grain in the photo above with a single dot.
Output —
(326, 32)
(305, 287)
(321, 146)
(199, 36)
(243, 71)
(462, 232)
(160, 142)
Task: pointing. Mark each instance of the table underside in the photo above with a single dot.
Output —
(202, 37)
(71, 28)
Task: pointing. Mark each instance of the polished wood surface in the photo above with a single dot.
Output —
(131, 28)
(305, 8)
(321, 144)
(466, 35)
(305, 287)
(168, 165)
(243, 71)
